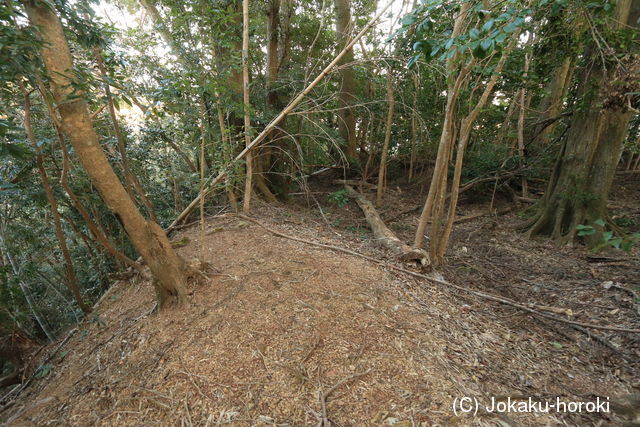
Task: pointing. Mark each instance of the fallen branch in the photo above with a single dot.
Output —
(481, 214)
(383, 235)
(355, 183)
(267, 130)
(479, 294)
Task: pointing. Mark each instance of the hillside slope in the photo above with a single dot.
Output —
(286, 333)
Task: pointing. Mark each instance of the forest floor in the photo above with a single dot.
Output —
(287, 333)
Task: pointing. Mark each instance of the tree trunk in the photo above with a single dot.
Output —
(147, 236)
(438, 185)
(248, 187)
(71, 279)
(581, 179)
(347, 94)
(439, 243)
(551, 104)
(129, 177)
(414, 127)
(93, 223)
(382, 173)
(521, 114)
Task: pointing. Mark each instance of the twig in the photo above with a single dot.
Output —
(323, 396)
(480, 294)
(602, 340)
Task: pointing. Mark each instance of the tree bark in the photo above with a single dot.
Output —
(438, 185)
(579, 186)
(439, 243)
(382, 172)
(347, 94)
(93, 223)
(248, 186)
(129, 177)
(551, 104)
(147, 236)
(71, 279)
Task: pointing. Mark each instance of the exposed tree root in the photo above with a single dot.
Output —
(384, 236)
(479, 294)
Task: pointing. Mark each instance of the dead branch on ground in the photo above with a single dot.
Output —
(479, 294)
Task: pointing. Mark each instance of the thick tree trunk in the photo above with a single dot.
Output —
(581, 179)
(347, 94)
(383, 235)
(93, 223)
(147, 237)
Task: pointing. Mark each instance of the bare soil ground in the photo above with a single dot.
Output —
(286, 333)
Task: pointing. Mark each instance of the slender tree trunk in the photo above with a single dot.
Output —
(435, 204)
(414, 127)
(129, 177)
(438, 180)
(248, 187)
(551, 104)
(147, 237)
(226, 152)
(71, 280)
(203, 167)
(506, 123)
(581, 180)
(523, 107)
(382, 173)
(347, 94)
(438, 247)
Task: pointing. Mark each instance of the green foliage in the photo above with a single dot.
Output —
(607, 239)
(340, 198)
(43, 370)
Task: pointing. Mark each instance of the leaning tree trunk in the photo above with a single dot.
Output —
(147, 237)
(71, 278)
(347, 94)
(581, 179)
(551, 104)
(129, 177)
